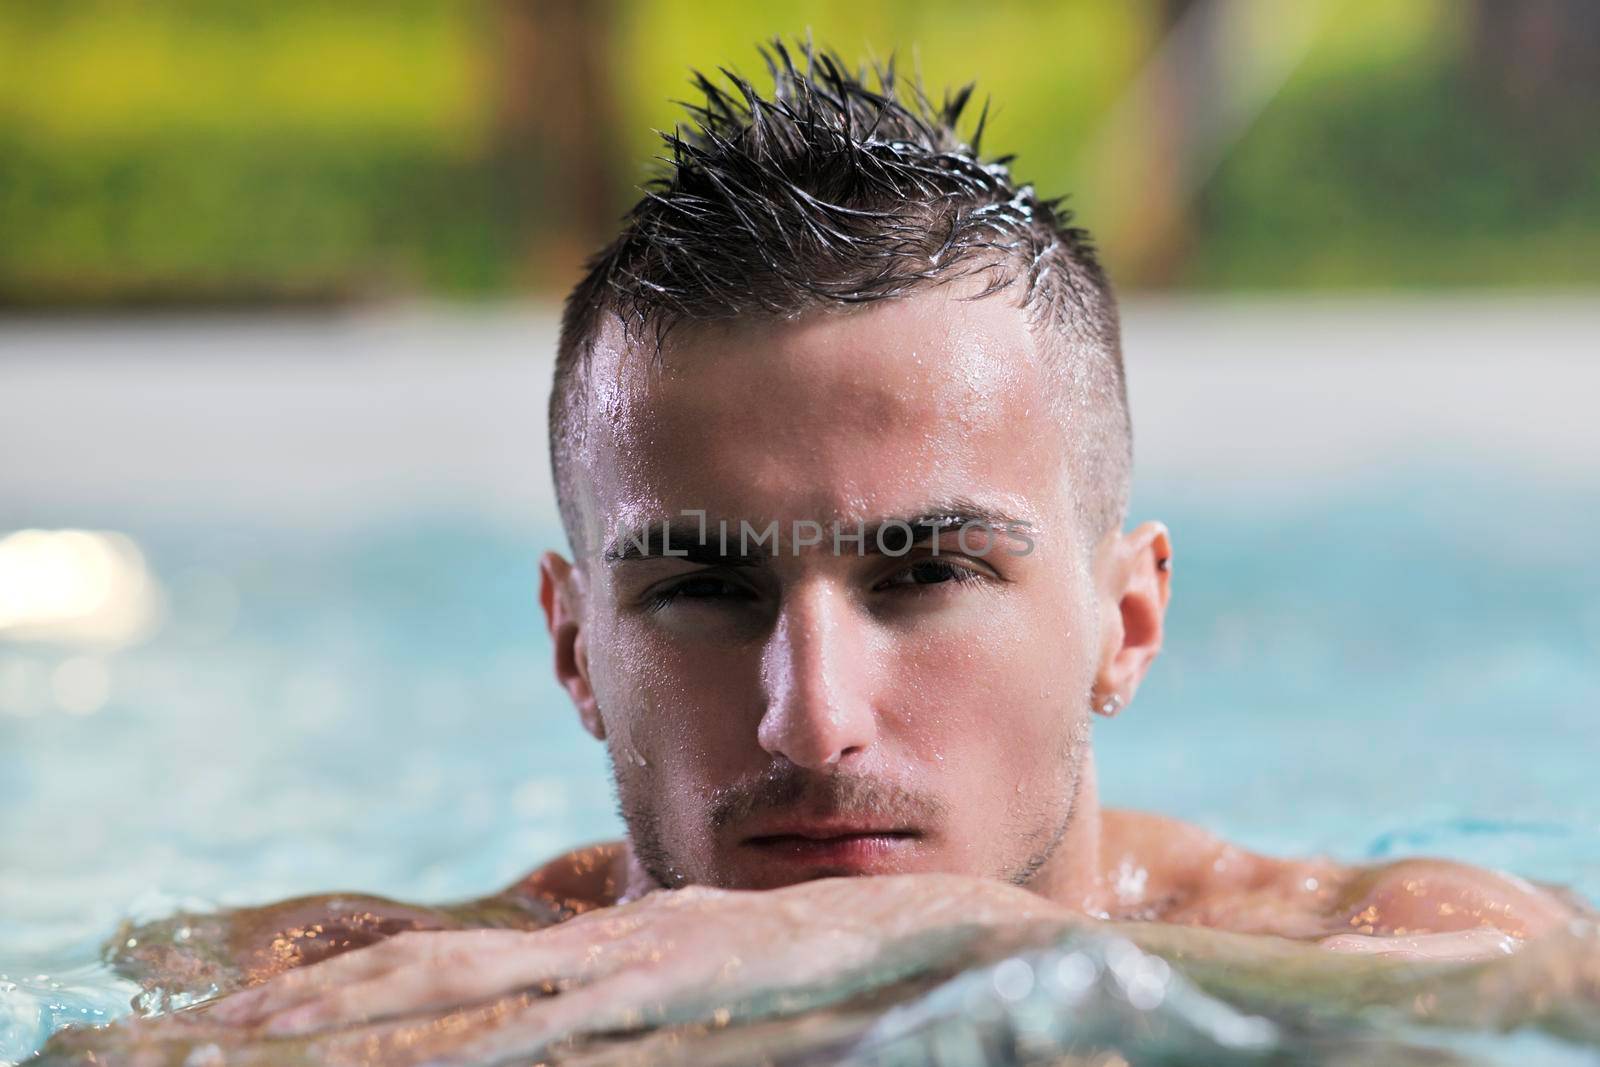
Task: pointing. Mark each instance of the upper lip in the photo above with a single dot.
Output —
(821, 829)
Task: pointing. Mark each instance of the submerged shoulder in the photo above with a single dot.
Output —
(1419, 896)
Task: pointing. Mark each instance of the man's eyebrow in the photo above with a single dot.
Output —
(891, 533)
(955, 512)
(669, 540)
(720, 543)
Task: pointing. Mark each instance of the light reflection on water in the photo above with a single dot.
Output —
(1406, 668)
(76, 588)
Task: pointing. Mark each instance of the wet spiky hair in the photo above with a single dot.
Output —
(832, 193)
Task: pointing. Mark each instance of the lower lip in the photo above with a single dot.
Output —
(857, 851)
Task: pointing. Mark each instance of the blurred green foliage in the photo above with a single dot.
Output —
(1408, 174)
(238, 151)
(243, 151)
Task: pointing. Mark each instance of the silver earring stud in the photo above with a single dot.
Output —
(1111, 705)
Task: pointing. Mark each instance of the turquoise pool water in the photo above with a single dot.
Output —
(1399, 664)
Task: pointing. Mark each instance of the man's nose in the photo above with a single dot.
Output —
(815, 674)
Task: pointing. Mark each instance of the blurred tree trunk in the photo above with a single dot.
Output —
(1155, 145)
(1185, 85)
(555, 134)
(1541, 56)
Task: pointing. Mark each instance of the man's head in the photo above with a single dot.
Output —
(830, 314)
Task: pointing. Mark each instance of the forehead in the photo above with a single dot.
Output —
(865, 412)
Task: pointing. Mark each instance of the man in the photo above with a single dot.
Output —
(841, 442)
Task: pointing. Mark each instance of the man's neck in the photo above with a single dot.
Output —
(1074, 875)
(636, 881)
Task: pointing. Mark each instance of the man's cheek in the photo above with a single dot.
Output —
(643, 687)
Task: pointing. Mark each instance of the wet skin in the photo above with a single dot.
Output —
(778, 721)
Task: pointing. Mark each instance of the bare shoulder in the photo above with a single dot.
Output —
(1182, 861)
(577, 881)
(1163, 869)
(1193, 876)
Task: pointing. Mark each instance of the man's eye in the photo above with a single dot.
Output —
(697, 588)
(930, 572)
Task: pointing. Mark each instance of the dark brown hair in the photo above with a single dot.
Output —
(830, 193)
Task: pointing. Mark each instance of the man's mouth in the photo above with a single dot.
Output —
(834, 844)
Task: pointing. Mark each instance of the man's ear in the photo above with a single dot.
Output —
(1135, 585)
(560, 597)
